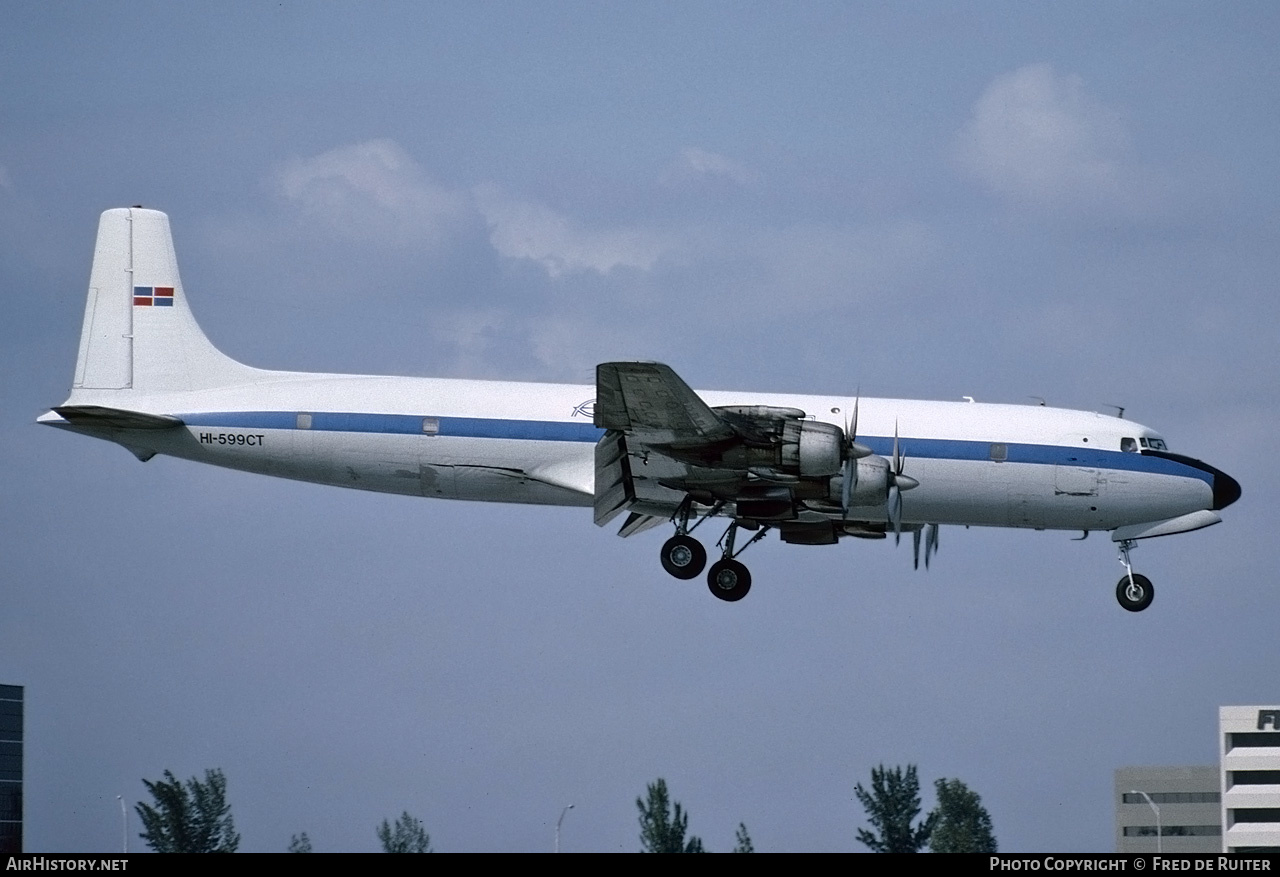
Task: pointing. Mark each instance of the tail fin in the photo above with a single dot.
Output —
(139, 334)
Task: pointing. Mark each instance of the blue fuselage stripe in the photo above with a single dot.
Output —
(561, 431)
(405, 424)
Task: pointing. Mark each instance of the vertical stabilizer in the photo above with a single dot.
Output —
(139, 334)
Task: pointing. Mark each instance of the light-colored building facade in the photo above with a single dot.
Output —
(1168, 809)
(1249, 743)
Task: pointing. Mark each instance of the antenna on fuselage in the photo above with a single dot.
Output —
(1039, 399)
(1119, 408)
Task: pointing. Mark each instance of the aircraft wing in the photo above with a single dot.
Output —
(666, 450)
(658, 427)
(649, 401)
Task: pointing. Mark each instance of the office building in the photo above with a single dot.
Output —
(10, 769)
(1168, 809)
(1249, 743)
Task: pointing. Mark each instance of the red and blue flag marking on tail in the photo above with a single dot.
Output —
(153, 296)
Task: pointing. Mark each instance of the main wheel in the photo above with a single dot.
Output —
(684, 557)
(729, 580)
(1135, 595)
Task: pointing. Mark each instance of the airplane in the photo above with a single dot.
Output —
(816, 469)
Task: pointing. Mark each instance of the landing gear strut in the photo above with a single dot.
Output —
(1134, 592)
(729, 579)
(682, 555)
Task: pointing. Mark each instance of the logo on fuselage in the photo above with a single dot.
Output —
(586, 409)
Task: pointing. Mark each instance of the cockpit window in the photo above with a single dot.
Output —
(1155, 444)
(1128, 445)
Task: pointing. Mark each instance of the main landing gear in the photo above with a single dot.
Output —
(684, 557)
(1134, 592)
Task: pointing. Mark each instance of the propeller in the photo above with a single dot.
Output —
(930, 544)
(852, 453)
(898, 483)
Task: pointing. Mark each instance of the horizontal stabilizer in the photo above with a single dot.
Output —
(1181, 524)
(115, 418)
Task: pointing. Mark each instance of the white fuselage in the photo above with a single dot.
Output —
(979, 464)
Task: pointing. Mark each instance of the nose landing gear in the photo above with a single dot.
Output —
(1134, 592)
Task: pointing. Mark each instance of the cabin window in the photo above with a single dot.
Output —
(431, 425)
(999, 453)
(304, 421)
(1128, 445)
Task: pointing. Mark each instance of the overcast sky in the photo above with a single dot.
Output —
(1003, 200)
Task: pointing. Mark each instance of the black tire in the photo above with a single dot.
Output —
(729, 580)
(684, 557)
(1136, 596)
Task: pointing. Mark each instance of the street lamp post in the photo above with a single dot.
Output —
(558, 822)
(1152, 805)
(124, 824)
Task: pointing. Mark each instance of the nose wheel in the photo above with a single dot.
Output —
(1134, 592)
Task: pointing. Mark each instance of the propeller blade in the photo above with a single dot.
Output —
(848, 477)
(930, 542)
(896, 463)
(852, 448)
(895, 513)
(915, 551)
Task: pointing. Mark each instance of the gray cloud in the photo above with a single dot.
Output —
(1039, 139)
(527, 230)
(696, 162)
(371, 189)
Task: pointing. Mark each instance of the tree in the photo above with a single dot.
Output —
(194, 818)
(407, 836)
(892, 805)
(963, 824)
(300, 843)
(744, 840)
(660, 831)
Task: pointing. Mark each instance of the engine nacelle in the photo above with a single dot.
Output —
(872, 487)
(812, 449)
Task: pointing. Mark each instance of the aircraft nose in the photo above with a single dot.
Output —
(1226, 489)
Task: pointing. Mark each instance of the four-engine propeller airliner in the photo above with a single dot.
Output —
(640, 442)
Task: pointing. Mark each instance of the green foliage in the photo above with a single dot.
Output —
(892, 805)
(744, 840)
(194, 818)
(963, 825)
(407, 836)
(300, 843)
(660, 831)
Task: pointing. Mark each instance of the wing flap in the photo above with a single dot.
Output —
(614, 488)
(638, 523)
